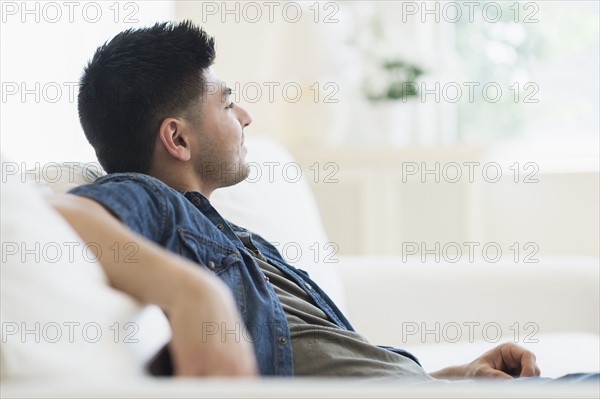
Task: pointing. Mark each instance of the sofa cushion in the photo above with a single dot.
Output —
(59, 315)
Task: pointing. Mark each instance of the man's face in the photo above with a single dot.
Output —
(218, 150)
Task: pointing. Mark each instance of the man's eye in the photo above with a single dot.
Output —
(230, 105)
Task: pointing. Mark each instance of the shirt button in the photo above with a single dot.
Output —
(308, 286)
(282, 340)
(211, 265)
(196, 201)
(219, 226)
(266, 278)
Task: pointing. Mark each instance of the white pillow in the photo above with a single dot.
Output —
(59, 316)
(275, 201)
(56, 177)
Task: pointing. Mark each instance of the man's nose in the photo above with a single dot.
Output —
(243, 116)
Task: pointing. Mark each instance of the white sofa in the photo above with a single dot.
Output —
(434, 310)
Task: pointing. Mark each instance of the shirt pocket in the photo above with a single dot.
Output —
(224, 261)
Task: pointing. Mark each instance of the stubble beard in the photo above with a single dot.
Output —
(223, 174)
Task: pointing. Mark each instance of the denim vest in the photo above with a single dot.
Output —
(186, 223)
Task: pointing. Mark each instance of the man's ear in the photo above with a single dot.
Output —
(173, 136)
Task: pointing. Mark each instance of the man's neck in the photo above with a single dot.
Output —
(182, 181)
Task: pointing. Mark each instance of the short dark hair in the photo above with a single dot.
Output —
(134, 82)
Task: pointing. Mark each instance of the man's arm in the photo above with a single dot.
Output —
(504, 361)
(192, 297)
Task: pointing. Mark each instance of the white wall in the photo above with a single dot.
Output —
(47, 44)
(275, 51)
(380, 202)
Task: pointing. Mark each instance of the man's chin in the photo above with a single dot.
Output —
(236, 174)
(244, 169)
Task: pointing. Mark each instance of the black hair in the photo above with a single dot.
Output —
(134, 82)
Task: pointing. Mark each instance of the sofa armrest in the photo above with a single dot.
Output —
(402, 303)
(284, 388)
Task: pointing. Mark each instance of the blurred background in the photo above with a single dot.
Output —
(416, 124)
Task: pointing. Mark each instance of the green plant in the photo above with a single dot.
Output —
(386, 74)
(399, 81)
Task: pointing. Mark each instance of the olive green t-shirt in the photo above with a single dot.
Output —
(321, 348)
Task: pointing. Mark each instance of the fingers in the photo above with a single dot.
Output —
(504, 361)
(528, 366)
(492, 373)
(519, 359)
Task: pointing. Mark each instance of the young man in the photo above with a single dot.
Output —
(164, 128)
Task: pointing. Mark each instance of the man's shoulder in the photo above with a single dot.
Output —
(132, 178)
(129, 187)
(119, 181)
(144, 203)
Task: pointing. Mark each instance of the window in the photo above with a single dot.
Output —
(494, 70)
(543, 56)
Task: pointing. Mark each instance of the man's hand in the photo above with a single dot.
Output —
(504, 361)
